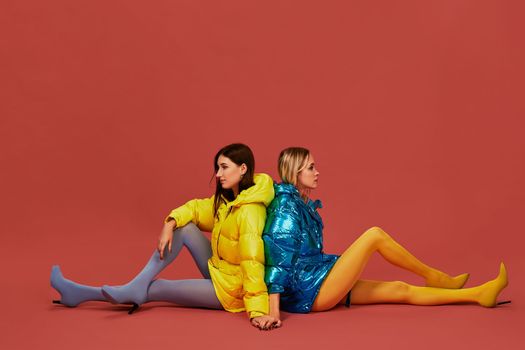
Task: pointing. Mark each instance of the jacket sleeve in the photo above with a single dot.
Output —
(281, 246)
(198, 211)
(251, 220)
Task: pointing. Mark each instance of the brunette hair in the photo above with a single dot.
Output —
(291, 161)
(239, 154)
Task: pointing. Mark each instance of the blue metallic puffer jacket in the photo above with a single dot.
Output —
(293, 243)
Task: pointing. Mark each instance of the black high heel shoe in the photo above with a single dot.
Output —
(504, 302)
(133, 308)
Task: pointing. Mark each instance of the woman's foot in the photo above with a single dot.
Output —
(490, 290)
(442, 280)
(72, 293)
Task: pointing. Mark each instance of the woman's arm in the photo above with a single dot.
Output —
(281, 247)
(166, 236)
(198, 211)
(274, 306)
(273, 320)
(251, 218)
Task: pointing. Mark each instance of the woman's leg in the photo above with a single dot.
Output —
(136, 290)
(376, 292)
(72, 293)
(190, 293)
(352, 262)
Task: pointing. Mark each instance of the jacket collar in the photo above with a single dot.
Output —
(261, 192)
(286, 188)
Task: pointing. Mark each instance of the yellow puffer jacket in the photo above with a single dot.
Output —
(237, 262)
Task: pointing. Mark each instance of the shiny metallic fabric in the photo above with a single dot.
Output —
(293, 242)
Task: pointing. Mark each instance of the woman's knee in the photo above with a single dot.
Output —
(376, 233)
(187, 229)
(189, 226)
(400, 290)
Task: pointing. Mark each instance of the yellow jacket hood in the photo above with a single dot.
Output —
(261, 192)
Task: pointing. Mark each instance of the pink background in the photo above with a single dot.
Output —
(111, 112)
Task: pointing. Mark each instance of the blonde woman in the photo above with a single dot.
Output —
(302, 278)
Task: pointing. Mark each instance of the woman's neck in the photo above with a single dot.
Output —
(304, 193)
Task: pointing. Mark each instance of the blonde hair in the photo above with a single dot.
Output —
(291, 161)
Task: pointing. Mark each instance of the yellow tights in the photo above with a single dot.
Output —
(440, 288)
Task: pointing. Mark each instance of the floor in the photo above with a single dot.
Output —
(30, 320)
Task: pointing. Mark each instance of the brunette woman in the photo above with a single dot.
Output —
(232, 264)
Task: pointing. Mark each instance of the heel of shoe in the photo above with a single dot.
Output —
(133, 308)
(347, 301)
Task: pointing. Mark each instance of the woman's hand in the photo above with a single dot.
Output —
(266, 322)
(166, 237)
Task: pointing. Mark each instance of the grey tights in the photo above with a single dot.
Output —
(192, 293)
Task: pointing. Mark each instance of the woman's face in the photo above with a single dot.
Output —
(229, 173)
(308, 177)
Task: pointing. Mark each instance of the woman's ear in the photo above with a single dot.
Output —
(244, 168)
